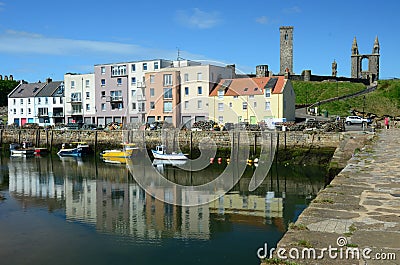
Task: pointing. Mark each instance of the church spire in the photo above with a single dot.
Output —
(376, 48)
(354, 48)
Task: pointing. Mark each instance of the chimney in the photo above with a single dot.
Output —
(233, 68)
(5, 78)
(11, 78)
(48, 80)
(1, 77)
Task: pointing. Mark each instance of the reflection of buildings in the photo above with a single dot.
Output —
(119, 206)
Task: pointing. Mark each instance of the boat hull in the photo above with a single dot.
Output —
(178, 156)
(70, 152)
(22, 152)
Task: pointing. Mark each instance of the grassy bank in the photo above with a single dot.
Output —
(385, 100)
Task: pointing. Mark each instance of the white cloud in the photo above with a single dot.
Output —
(292, 10)
(262, 20)
(197, 18)
(20, 42)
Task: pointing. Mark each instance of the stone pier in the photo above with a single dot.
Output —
(359, 211)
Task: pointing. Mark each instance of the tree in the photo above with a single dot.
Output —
(6, 86)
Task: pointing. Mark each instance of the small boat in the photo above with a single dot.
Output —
(75, 149)
(161, 153)
(27, 149)
(174, 163)
(41, 151)
(126, 151)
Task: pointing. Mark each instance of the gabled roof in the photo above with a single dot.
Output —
(26, 90)
(250, 86)
(50, 89)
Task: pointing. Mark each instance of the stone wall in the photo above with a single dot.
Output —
(100, 140)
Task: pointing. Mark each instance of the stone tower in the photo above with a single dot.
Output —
(262, 71)
(286, 49)
(372, 73)
(334, 68)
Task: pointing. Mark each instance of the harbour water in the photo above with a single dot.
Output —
(84, 211)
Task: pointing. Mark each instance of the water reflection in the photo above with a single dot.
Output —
(106, 197)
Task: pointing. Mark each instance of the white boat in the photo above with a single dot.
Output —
(161, 153)
(27, 149)
(157, 162)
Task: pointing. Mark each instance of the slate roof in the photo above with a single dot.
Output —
(50, 89)
(26, 90)
(250, 86)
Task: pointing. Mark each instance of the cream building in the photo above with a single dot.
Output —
(80, 98)
(253, 100)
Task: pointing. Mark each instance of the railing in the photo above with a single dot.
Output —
(74, 100)
(140, 84)
(115, 99)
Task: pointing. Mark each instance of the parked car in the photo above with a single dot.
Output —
(356, 120)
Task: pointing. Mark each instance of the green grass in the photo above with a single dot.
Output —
(383, 101)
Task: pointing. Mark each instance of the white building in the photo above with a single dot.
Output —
(40, 103)
(80, 98)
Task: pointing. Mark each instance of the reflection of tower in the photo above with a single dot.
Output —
(286, 50)
(334, 68)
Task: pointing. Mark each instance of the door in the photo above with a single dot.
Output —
(23, 121)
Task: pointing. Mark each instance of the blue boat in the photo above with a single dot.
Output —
(76, 149)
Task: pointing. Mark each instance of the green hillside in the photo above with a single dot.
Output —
(383, 101)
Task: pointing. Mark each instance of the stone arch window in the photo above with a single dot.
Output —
(376, 50)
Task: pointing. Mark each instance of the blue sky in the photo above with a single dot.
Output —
(40, 39)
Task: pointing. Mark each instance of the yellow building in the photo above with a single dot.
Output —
(253, 100)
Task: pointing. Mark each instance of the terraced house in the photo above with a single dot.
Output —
(253, 100)
(41, 103)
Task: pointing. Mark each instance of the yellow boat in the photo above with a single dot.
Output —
(126, 151)
(115, 160)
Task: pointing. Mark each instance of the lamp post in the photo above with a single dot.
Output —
(364, 106)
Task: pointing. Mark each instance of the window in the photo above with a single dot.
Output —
(133, 93)
(220, 94)
(199, 76)
(142, 107)
(199, 90)
(168, 80)
(118, 106)
(103, 82)
(29, 101)
(119, 81)
(76, 97)
(88, 107)
(156, 65)
(103, 106)
(29, 111)
(186, 91)
(268, 92)
(72, 84)
(133, 80)
(152, 105)
(186, 77)
(151, 92)
(39, 101)
(186, 105)
(116, 95)
(133, 67)
(118, 70)
(152, 80)
(22, 111)
(87, 83)
(46, 100)
(230, 104)
(167, 93)
(220, 106)
(14, 101)
(103, 70)
(103, 94)
(267, 105)
(134, 105)
(255, 104)
(15, 111)
(61, 100)
(22, 101)
(54, 100)
(220, 119)
(251, 97)
(167, 106)
(199, 104)
(87, 95)
(244, 105)
(235, 97)
(43, 112)
(144, 66)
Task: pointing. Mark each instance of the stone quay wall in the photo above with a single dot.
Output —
(99, 140)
